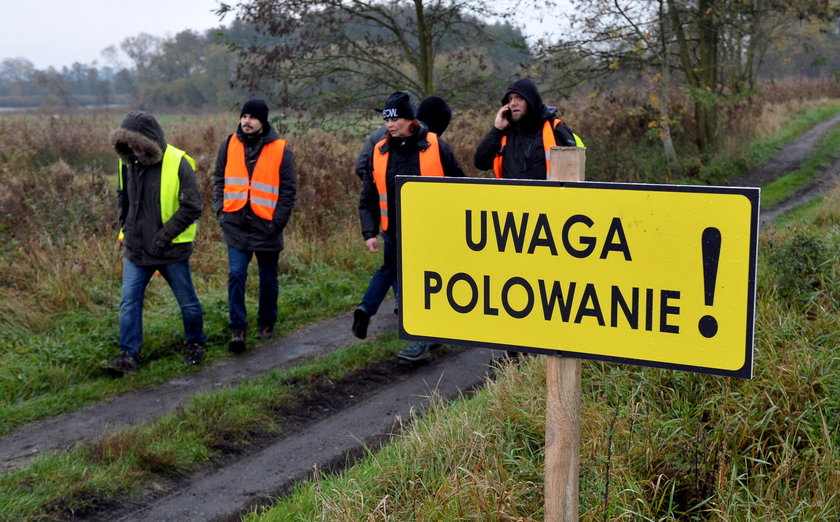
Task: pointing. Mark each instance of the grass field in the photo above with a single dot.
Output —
(59, 295)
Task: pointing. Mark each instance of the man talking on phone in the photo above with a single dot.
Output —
(523, 132)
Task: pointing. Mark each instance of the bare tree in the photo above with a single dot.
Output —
(716, 46)
(345, 50)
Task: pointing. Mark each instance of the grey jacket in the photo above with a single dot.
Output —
(147, 239)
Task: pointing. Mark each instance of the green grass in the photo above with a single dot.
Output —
(721, 169)
(58, 370)
(675, 445)
(52, 367)
(828, 150)
(128, 460)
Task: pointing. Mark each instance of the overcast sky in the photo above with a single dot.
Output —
(60, 32)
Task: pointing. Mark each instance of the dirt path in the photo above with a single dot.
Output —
(329, 432)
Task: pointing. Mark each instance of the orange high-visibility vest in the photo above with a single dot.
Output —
(430, 165)
(263, 187)
(549, 140)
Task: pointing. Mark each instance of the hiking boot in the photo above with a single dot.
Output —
(123, 364)
(361, 319)
(265, 332)
(194, 354)
(237, 342)
(417, 351)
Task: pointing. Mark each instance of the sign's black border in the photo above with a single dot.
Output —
(751, 193)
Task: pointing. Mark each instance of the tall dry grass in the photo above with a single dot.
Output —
(57, 183)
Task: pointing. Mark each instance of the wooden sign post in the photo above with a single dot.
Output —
(562, 406)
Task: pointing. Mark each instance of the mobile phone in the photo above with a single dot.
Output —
(508, 116)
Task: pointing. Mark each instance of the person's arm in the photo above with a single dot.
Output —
(364, 155)
(288, 190)
(189, 203)
(485, 154)
(219, 177)
(122, 195)
(369, 213)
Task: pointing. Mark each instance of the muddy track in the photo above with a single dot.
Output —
(324, 432)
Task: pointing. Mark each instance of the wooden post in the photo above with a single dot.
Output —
(562, 407)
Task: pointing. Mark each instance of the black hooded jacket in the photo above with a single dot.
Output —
(243, 229)
(147, 240)
(403, 160)
(524, 154)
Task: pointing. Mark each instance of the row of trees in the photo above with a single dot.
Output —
(189, 70)
(347, 49)
(315, 55)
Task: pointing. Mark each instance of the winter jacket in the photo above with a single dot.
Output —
(364, 156)
(243, 229)
(524, 153)
(403, 160)
(146, 238)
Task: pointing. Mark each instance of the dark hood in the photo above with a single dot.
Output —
(139, 130)
(536, 110)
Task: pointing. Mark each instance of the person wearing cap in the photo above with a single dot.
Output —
(159, 203)
(400, 152)
(523, 132)
(254, 191)
(433, 111)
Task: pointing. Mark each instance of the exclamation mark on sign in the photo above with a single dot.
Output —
(711, 256)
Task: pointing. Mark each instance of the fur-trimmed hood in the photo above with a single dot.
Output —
(139, 130)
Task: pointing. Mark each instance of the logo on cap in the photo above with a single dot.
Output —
(389, 113)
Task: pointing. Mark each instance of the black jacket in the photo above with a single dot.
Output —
(524, 154)
(403, 160)
(147, 240)
(243, 229)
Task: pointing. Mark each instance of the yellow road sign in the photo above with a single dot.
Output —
(655, 275)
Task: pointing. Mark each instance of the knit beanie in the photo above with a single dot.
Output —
(399, 105)
(257, 108)
(435, 113)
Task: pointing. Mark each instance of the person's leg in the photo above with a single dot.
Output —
(269, 291)
(237, 277)
(383, 278)
(378, 287)
(134, 282)
(179, 277)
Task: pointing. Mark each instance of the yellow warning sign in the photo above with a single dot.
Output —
(656, 275)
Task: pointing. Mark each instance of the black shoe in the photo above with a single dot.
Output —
(123, 364)
(237, 342)
(361, 319)
(195, 353)
(265, 332)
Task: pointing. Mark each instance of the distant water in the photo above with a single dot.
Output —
(67, 109)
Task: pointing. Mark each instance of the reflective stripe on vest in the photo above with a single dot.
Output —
(170, 186)
(430, 165)
(549, 140)
(263, 187)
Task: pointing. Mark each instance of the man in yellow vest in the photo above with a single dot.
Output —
(159, 203)
(254, 191)
(523, 132)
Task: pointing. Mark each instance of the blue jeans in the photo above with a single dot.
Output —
(269, 289)
(384, 278)
(134, 283)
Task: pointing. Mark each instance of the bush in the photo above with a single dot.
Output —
(800, 266)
